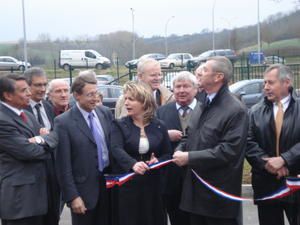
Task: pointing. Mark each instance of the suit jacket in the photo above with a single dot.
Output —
(216, 144)
(77, 163)
(22, 166)
(172, 175)
(49, 111)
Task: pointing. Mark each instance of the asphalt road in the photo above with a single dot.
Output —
(249, 210)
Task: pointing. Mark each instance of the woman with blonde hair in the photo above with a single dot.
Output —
(139, 139)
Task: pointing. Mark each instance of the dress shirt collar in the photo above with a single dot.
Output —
(192, 105)
(15, 110)
(211, 96)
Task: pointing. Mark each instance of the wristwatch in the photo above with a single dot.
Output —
(39, 140)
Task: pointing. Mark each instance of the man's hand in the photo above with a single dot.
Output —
(274, 164)
(77, 206)
(175, 135)
(282, 172)
(44, 131)
(140, 168)
(181, 158)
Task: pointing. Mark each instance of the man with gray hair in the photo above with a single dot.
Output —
(176, 116)
(149, 72)
(273, 147)
(58, 93)
(214, 149)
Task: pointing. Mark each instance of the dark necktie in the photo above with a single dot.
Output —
(157, 98)
(185, 110)
(99, 138)
(23, 117)
(39, 116)
(207, 101)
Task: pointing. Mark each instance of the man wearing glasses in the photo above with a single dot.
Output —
(82, 154)
(44, 114)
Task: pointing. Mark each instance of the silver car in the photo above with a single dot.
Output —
(11, 63)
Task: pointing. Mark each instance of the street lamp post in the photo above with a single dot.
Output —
(24, 33)
(213, 25)
(133, 36)
(258, 33)
(166, 34)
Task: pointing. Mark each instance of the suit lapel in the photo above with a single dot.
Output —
(28, 126)
(81, 123)
(177, 124)
(196, 115)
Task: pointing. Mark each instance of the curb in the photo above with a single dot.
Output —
(247, 190)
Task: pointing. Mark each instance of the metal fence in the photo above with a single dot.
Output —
(239, 73)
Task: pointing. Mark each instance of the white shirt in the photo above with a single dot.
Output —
(211, 96)
(43, 113)
(191, 106)
(285, 104)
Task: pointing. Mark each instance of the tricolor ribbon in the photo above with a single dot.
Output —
(292, 185)
(121, 179)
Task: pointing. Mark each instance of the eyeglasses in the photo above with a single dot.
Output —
(92, 94)
(39, 85)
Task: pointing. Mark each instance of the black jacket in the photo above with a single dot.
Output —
(262, 143)
(216, 139)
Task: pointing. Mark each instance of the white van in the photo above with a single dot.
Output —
(82, 58)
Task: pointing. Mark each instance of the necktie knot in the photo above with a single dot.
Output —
(207, 101)
(38, 106)
(185, 110)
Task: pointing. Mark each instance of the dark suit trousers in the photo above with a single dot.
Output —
(98, 215)
(204, 220)
(272, 214)
(34, 220)
(176, 215)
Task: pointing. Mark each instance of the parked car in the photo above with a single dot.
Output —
(132, 64)
(249, 91)
(274, 59)
(106, 79)
(82, 59)
(196, 61)
(111, 94)
(11, 63)
(175, 60)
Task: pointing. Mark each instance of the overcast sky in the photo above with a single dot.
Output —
(74, 18)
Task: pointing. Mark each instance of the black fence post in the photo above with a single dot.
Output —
(70, 74)
(118, 73)
(87, 62)
(54, 62)
(130, 74)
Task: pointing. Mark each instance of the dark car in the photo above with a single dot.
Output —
(249, 91)
(132, 64)
(196, 61)
(106, 79)
(110, 93)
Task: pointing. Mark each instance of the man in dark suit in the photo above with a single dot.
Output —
(44, 114)
(214, 149)
(23, 151)
(176, 116)
(82, 155)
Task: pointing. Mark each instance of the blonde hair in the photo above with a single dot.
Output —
(142, 93)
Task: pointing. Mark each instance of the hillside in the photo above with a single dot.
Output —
(280, 34)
